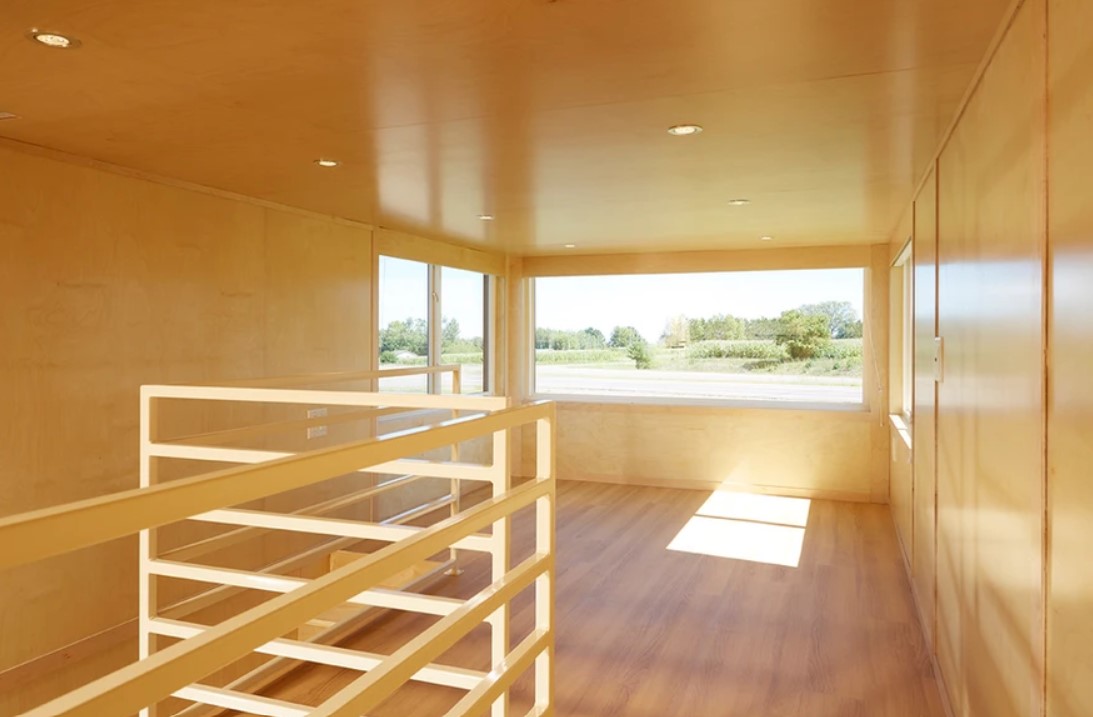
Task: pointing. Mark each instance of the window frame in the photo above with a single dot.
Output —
(904, 265)
(864, 406)
(434, 322)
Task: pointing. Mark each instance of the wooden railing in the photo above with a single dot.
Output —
(214, 498)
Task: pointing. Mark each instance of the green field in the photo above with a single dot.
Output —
(840, 357)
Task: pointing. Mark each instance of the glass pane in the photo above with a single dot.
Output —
(404, 317)
(788, 336)
(463, 302)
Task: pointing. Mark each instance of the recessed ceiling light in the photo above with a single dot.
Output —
(766, 238)
(739, 202)
(486, 217)
(53, 39)
(570, 246)
(682, 130)
(327, 162)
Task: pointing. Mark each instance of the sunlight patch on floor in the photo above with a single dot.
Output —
(774, 509)
(745, 526)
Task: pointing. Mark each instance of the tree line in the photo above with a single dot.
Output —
(803, 330)
(412, 335)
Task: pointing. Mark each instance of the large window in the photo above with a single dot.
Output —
(433, 316)
(793, 337)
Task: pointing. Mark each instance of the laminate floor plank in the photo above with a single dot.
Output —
(644, 631)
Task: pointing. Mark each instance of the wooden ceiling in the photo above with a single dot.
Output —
(548, 114)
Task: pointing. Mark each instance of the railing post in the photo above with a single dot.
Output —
(456, 484)
(148, 602)
(545, 543)
(501, 552)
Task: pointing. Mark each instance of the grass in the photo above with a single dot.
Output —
(841, 357)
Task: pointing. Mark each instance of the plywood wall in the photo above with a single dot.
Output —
(924, 430)
(1070, 404)
(816, 453)
(839, 454)
(107, 282)
(1004, 234)
(991, 229)
(901, 493)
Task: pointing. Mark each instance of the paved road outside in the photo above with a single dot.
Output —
(623, 383)
(630, 383)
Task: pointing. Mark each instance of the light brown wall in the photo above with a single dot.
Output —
(1008, 220)
(821, 453)
(901, 492)
(991, 227)
(924, 429)
(902, 495)
(1070, 404)
(109, 281)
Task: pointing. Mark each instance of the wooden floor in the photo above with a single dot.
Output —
(648, 632)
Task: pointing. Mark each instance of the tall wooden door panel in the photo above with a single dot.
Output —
(990, 402)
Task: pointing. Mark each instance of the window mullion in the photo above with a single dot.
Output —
(435, 326)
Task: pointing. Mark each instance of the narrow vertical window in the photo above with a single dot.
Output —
(464, 328)
(403, 322)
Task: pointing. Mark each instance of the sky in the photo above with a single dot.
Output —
(646, 302)
(404, 293)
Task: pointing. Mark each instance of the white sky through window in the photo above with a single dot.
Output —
(404, 294)
(647, 301)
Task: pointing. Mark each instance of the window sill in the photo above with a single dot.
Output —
(670, 402)
(902, 427)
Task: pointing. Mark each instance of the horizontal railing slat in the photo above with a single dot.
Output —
(501, 677)
(433, 674)
(320, 379)
(376, 597)
(426, 469)
(250, 704)
(327, 526)
(233, 537)
(52, 531)
(316, 397)
(135, 686)
(368, 691)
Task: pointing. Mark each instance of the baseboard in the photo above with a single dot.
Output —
(708, 485)
(939, 676)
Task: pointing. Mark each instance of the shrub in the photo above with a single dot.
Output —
(639, 352)
(841, 349)
(461, 358)
(803, 335)
(623, 336)
(590, 356)
(745, 349)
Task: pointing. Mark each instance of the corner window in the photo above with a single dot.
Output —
(433, 316)
(779, 337)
